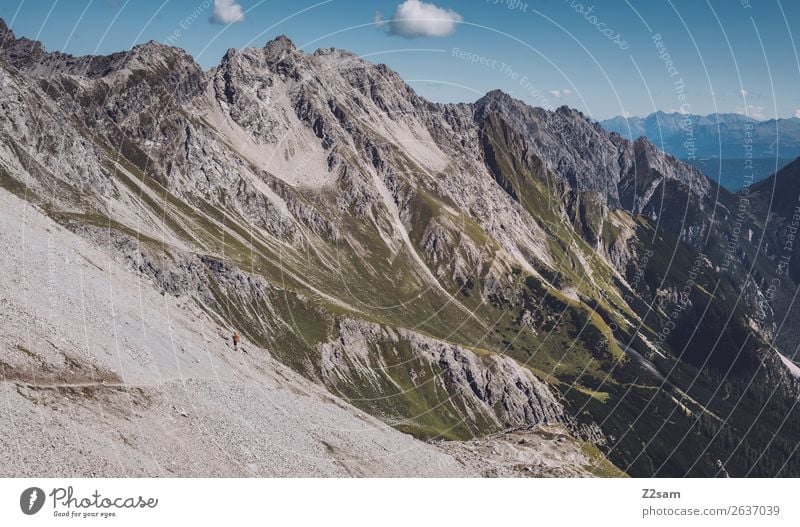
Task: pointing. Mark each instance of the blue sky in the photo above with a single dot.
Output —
(603, 57)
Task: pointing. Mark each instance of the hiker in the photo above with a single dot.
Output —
(236, 339)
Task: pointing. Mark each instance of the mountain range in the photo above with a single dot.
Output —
(734, 150)
(415, 283)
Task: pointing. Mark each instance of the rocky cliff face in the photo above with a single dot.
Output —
(589, 158)
(773, 207)
(455, 270)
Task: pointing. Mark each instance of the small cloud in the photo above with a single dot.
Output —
(756, 112)
(414, 18)
(560, 93)
(744, 93)
(797, 113)
(227, 12)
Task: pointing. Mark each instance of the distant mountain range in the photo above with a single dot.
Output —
(718, 144)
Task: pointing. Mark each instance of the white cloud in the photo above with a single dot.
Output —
(414, 18)
(227, 12)
(797, 113)
(756, 112)
(560, 93)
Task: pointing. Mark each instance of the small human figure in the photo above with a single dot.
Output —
(236, 339)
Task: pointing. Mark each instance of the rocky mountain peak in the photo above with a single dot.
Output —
(156, 58)
(781, 191)
(4, 30)
(570, 112)
(319, 88)
(588, 157)
(19, 52)
(794, 166)
(279, 48)
(280, 42)
(491, 101)
(153, 48)
(160, 59)
(339, 53)
(496, 95)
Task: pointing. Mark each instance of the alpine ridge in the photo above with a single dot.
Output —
(459, 272)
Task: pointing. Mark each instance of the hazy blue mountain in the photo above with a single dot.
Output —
(718, 144)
